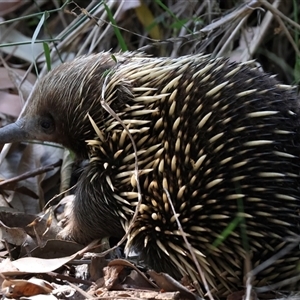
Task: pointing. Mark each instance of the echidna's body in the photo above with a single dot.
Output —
(221, 138)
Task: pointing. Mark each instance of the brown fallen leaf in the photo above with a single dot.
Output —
(10, 104)
(42, 265)
(16, 288)
(13, 235)
(168, 284)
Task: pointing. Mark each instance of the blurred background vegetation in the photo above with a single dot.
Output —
(49, 32)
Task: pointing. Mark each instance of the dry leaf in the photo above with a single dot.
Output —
(10, 104)
(146, 17)
(40, 265)
(16, 288)
(24, 158)
(9, 6)
(28, 52)
(13, 235)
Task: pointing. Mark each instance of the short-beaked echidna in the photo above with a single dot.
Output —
(221, 139)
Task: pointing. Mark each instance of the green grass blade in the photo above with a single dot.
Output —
(118, 34)
(47, 56)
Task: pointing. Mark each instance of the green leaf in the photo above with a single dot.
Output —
(47, 55)
(35, 34)
(118, 34)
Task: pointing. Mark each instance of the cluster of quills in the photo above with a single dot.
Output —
(219, 140)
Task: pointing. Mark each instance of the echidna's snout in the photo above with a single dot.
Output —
(39, 127)
(15, 132)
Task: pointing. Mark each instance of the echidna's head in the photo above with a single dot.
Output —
(59, 107)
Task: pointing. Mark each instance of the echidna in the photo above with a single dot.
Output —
(220, 139)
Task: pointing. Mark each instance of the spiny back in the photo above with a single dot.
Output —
(223, 140)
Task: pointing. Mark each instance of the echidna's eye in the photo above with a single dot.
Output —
(47, 124)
